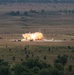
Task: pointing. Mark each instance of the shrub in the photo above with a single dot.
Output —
(70, 68)
(44, 57)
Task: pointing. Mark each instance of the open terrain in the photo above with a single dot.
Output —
(45, 18)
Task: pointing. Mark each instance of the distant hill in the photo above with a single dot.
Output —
(36, 1)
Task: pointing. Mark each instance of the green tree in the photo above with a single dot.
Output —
(61, 59)
(19, 68)
(2, 62)
(30, 63)
(59, 66)
(24, 73)
(4, 67)
(44, 72)
(4, 70)
(35, 70)
(54, 71)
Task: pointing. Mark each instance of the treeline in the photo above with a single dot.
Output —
(34, 66)
(25, 13)
(37, 1)
(42, 12)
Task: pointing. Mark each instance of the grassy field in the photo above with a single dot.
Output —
(14, 54)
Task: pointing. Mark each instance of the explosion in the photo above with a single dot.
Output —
(33, 36)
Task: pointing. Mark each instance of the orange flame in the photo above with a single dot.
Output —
(33, 36)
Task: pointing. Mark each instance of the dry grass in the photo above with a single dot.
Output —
(57, 27)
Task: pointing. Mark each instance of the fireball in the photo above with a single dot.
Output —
(33, 36)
